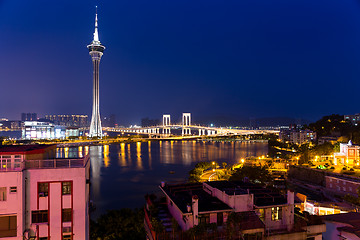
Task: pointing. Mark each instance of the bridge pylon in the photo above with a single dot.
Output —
(186, 123)
(166, 125)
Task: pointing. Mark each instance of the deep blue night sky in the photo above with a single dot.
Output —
(236, 58)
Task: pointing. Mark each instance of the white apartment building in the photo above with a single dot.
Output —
(43, 197)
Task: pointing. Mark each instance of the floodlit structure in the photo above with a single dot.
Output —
(42, 130)
(166, 123)
(42, 197)
(348, 155)
(96, 51)
(186, 122)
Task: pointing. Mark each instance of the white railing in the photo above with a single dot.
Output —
(48, 163)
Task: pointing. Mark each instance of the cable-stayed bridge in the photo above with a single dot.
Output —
(187, 129)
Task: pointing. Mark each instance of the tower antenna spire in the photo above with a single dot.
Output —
(96, 51)
(96, 34)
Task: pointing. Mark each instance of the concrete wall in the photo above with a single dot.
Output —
(178, 215)
(55, 202)
(14, 201)
(239, 203)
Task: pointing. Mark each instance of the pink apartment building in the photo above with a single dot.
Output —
(43, 197)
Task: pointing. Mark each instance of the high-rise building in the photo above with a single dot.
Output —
(28, 117)
(69, 120)
(43, 197)
(96, 51)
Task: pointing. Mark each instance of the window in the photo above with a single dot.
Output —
(276, 213)
(66, 188)
(66, 229)
(66, 237)
(220, 219)
(39, 216)
(262, 214)
(43, 238)
(204, 218)
(17, 163)
(13, 189)
(43, 189)
(66, 215)
(8, 226)
(2, 194)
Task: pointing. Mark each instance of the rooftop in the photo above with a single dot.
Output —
(25, 149)
(181, 195)
(262, 196)
(352, 218)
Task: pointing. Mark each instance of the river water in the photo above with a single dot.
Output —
(121, 174)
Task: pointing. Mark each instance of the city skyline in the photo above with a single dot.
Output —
(247, 60)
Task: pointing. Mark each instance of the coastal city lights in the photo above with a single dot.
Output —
(206, 120)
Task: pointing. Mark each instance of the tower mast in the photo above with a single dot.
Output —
(96, 51)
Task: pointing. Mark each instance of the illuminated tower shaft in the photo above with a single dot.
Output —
(96, 51)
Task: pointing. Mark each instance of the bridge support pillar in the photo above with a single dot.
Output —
(202, 132)
(186, 131)
(166, 131)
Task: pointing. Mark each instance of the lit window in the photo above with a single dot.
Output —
(43, 189)
(276, 213)
(262, 214)
(66, 188)
(2, 193)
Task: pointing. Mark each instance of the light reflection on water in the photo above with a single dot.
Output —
(121, 174)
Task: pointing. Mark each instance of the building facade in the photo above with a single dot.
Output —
(348, 155)
(32, 130)
(42, 197)
(69, 120)
(28, 117)
(297, 136)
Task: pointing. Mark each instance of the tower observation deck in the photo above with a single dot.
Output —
(96, 51)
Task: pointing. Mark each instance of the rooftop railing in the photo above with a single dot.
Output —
(46, 164)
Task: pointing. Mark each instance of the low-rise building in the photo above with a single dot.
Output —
(348, 155)
(343, 184)
(43, 197)
(42, 130)
(263, 213)
(342, 226)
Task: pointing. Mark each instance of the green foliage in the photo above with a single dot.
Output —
(352, 199)
(119, 224)
(328, 125)
(233, 225)
(255, 174)
(201, 229)
(200, 167)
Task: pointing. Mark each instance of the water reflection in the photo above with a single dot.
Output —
(149, 153)
(138, 156)
(121, 174)
(121, 155)
(106, 156)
